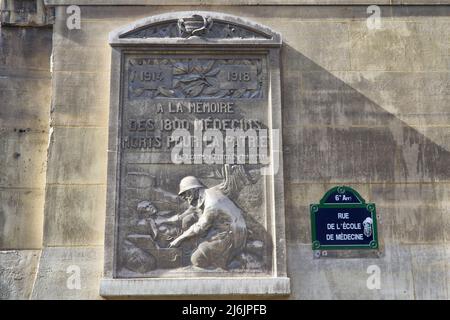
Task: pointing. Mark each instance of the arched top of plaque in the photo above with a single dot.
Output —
(195, 28)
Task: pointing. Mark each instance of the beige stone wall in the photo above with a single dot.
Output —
(25, 93)
(364, 108)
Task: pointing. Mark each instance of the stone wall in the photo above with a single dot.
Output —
(361, 107)
(25, 94)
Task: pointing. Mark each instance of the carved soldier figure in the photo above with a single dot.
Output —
(220, 219)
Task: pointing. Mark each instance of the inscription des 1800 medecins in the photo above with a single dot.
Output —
(146, 132)
(208, 87)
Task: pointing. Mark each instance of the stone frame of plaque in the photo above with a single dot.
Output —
(148, 57)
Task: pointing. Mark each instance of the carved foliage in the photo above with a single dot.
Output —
(195, 78)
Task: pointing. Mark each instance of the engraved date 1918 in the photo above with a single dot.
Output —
(238, 76)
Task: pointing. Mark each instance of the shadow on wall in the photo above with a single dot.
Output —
(333, 133)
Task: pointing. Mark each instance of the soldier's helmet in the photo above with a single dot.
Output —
(188, 183)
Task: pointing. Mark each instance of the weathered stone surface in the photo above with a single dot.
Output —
(327, 43)
(76, 52)
(424, 153)
(372, 154)
(25, 105)
(23, 154)
(245, 2)
(404, 207)
(25, 96)
(334, 154)
(25, 100)
(21, 218)
(418, 2)
(25, 49)
(268, 15)
(17, 273)
(418, 99)
(98, 17)
(82, 99)
(412, 46)
(97, 29)
(319, 98)
(76, 156)
(201, 287)
(59, 269)
(271, 15)
(431, 193)
(400, 222)
(406, 272)
(74, 215)
(25, 13)
(370, 98)
(430, 265)
(78, 58)
(329, 278)
(447, 252)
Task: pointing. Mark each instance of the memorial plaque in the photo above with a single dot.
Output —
(194, 161)
(343, 220)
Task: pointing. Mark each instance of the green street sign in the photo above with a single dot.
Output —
(343, 220)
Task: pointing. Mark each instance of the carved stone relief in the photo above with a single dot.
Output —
(192, 77)
(209, 76)
(217, 228)
(197, 25)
